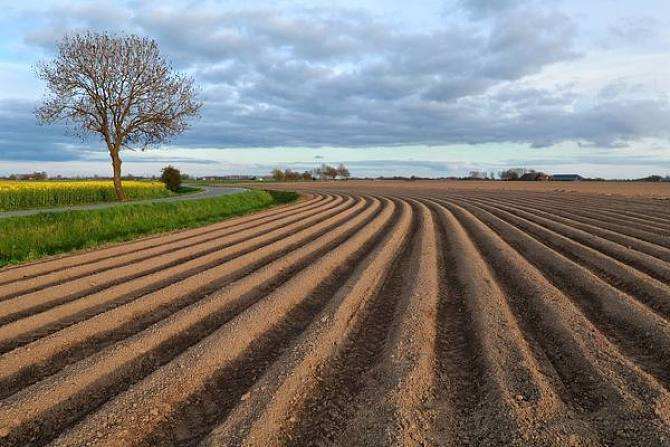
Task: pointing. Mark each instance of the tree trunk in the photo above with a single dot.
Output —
(116, 164)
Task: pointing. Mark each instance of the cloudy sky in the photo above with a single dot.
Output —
(389, 87)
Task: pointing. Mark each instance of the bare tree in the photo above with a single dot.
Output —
(477, 175)
(277, 174)
(343, 172)
(328, 172)
(119, 87)
(511, 174)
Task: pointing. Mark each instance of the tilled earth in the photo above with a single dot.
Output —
(361, 315)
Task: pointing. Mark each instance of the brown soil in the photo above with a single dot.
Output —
(654, 190)
(370, 313)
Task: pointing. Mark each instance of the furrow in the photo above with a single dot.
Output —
(583, 200)
(188, 376)
(599, 384)
(627, 230)
(180, 292)
(619, 217)
(135, 256)
(59, 263)
(171, 257)
(42, 357)
(399, 406)
(503, 378)
(643, 215)
(651, 292)
(328, 409)
(631, 325)
(183, 262)
(302, 375)
(650, 249)
(458, 370)
(589, 209)
(405, 313)
(26, 329)
(645, 206)
(645, 263)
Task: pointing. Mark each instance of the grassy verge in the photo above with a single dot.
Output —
(188, 189)
(31, 237)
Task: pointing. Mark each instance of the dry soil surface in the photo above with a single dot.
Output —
(650, 190)
(366, 314)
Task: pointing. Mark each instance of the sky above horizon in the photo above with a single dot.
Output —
(432, 88)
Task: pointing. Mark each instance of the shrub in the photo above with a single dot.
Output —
(171, 177)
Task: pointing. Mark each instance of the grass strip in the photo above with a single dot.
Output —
(188, 189)
(28, 238)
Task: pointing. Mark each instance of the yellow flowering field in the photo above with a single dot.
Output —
(16, 195)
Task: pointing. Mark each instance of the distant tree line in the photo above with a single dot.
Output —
(654, 178)
(512, 174)
(31, 176)
(288, 175)
(481, 175)
(323, 172)
(524, 175)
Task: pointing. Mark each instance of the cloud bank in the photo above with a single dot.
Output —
(311, 77)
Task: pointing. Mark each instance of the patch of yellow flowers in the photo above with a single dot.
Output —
(43, 194)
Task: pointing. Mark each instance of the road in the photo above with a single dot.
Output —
(208, 192)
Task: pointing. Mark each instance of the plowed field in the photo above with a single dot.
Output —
(364, 315)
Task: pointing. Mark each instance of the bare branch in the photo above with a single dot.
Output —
(118, 87)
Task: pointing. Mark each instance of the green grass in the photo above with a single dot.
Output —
(31, 237)
(188, 189)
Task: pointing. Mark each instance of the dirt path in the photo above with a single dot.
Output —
(354, 317)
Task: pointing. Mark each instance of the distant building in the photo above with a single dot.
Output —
(567, 177)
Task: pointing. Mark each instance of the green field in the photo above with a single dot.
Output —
(31, 237)
(18, 195)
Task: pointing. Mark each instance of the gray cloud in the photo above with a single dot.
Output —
(597, 160)
(22, 139)
(200, 161)
(344, 78)
(485, 8)
(633, 30)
